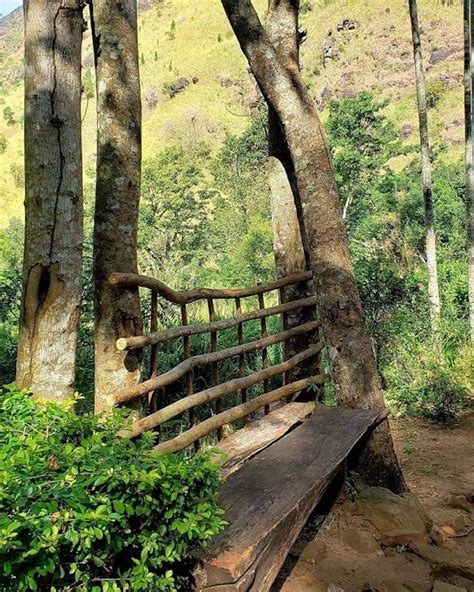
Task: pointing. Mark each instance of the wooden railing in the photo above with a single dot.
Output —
(215, 394)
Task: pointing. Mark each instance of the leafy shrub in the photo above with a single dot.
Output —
(81, 509)
(423, 382)
(435, 89)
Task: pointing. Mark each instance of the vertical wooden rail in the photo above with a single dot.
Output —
(152, 397)
(284, 327)
(189, 375)
(240, 337)
(215, 368)
(264, 333)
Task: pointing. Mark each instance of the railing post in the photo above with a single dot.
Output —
(189, 375)
(215, 368)
(152, 399)
(240, 337)
(264, 333)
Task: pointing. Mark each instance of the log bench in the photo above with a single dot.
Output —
(282, 454)
(268, 500)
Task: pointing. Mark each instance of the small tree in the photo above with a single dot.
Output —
(430, 237)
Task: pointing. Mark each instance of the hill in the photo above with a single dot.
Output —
(196, 86)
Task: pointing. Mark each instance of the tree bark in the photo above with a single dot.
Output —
(430, 237)
(52, 263)
(324, 238)
(282, 30)
(117, 308)
(469, 110)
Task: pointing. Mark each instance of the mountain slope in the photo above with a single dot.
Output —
(186, 39)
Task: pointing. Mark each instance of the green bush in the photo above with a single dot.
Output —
(423, 382)
(81, 509)
(435, 90)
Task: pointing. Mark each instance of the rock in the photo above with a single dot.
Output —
(445, 561)
(334, 588)
(440, 55)
(459, 502)
(178, 86)
(195, 79)
(412, 586)
(403, 536)
(346, 25)
(326, 94)
(441, 538)
(359, 540)
(225, 82)
(439, 586)
(388, 511)
(406, 131)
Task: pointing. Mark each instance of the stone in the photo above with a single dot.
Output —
(178, 86)
(359, 540)
(445, 561)
(440, 586)
(441, 538)
(403, 536)
(459, 502)
(387, 511)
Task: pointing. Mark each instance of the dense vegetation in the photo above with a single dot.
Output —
(224, 237)
(81, 509)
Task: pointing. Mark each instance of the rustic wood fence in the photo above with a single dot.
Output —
(215, 394)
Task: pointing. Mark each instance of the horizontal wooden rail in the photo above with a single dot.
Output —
(180, 370)
(140, 341)
(235, 413)
(211, 394)
(185, 297)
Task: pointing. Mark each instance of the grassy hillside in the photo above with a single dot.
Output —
(185, 38)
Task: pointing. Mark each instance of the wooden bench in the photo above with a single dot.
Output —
(268, 500)
(284, 454)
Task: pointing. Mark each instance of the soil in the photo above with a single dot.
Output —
(343, 552)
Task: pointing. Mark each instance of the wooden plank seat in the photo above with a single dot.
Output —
(268, 500)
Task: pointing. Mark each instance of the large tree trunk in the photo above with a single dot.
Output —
(324, 238)
(430, 237)
(282, 30)
(52, 263)
(469, 111)
(117, 310)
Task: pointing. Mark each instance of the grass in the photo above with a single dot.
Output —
(204, 46)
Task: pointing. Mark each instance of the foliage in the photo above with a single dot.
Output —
(174, 217)
(82, 509)
(435, 90)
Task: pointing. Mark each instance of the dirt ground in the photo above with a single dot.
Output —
(346, 552)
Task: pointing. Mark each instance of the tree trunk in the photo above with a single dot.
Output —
(117, 310)
(282, 29)
(430, 237)
(324, 238)
(52, 263)
(468, 105)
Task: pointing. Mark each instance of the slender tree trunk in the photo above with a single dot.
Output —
(468, 105)
(324, 238)
(117, 310)
(52, 263)
(282, 29)
(430, 237)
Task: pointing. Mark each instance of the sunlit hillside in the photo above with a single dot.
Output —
(188, 46)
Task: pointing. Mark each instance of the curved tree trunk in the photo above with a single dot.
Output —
(324, 237)
(430, 237)
(468, 104)
(117, 310)
(282, 29)
(52, 263)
